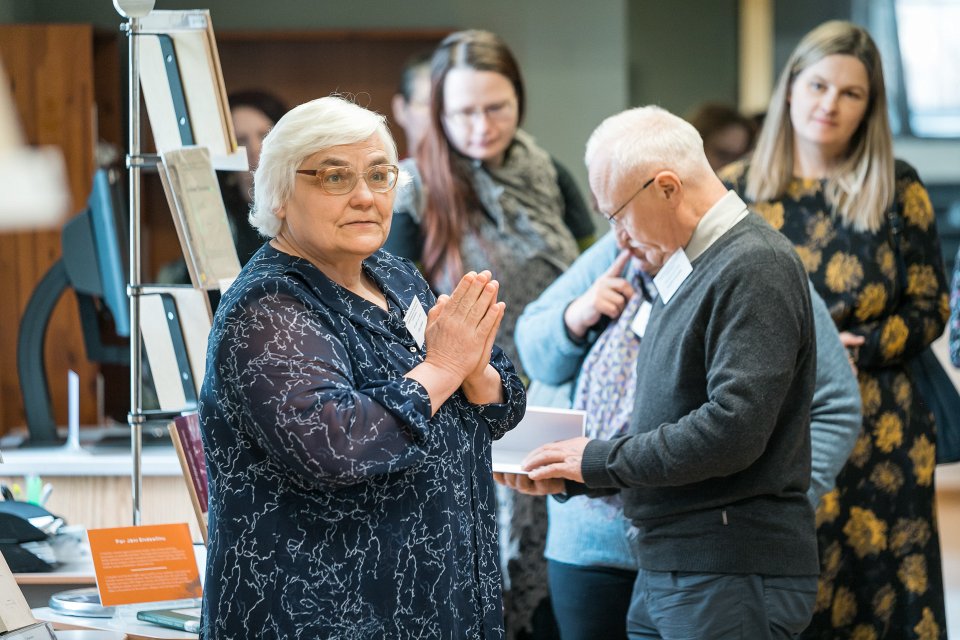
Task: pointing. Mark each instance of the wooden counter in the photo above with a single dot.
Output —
(92, 487)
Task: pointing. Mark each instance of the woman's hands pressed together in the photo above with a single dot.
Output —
(460, 333)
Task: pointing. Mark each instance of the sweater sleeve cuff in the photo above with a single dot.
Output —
(593, 466)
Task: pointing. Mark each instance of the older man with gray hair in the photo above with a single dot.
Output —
(716, 463)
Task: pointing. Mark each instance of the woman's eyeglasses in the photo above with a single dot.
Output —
(338, 181)
(497, 112)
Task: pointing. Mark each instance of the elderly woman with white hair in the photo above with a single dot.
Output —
(347, 431)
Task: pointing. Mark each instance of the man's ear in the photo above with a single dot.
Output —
(669, 184)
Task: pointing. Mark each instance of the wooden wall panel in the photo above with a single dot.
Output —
(51, 73)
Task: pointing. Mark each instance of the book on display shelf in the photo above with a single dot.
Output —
(183, 86)
(200, 217)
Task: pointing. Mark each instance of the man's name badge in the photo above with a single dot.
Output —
(416, 321)
(639, 323)
(672, 275)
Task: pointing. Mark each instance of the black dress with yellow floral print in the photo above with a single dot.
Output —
(877, 531)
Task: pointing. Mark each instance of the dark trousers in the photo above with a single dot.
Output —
(590, 603)
(675, 605)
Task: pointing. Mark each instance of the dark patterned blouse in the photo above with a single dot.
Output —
(338, 507)
(877, 531)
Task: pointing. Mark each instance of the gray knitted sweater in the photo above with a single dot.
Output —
(715, 467)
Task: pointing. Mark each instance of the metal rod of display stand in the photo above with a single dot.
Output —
(135, 417)
(133, 10)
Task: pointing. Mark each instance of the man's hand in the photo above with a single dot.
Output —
(557, 460)
(524, 484)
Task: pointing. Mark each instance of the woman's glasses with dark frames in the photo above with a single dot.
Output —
(338, 181)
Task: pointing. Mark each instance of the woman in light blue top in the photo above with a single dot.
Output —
(578, 342)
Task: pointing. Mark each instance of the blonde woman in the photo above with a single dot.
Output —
(824, 174)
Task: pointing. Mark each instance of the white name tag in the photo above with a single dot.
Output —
(639, 324)
(416, 321)
(672, 275)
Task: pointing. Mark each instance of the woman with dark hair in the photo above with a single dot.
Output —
(727, 134)
(824, 174)
(486, 196)
(254, 114)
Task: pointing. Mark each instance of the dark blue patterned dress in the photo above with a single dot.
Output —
(338, 507)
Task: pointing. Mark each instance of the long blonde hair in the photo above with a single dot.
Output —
(862, 186)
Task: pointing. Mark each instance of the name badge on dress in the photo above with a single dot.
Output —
(639, 323)
(672, 274)
(416, 321)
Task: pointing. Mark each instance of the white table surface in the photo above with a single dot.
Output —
(117, 461)
(125, 624)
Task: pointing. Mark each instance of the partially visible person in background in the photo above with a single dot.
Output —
(411, 102)
(824, 174)
(485, 195)
(254, 113)
(727, 134)
(955, 314)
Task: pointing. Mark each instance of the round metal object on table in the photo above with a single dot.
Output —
(84, 603)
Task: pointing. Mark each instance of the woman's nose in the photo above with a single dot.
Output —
(361, 193)
(829, 100)
(480, 121)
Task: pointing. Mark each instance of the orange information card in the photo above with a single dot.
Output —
(144, 564)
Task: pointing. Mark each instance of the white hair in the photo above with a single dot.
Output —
(646, 139)
(305, 130)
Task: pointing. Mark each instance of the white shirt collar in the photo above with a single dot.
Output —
(720, 218)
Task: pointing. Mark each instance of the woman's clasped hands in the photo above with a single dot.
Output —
(460, 333)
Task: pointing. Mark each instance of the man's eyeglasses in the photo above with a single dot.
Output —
(497, 112)
(338, 181)
(612, 217)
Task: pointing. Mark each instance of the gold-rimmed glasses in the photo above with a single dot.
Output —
(338, 181)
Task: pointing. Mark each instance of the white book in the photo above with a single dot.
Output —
(14, 610)
(38, 631)
(540, 425)
(196, 204)
(190, 313)
(200, 75)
